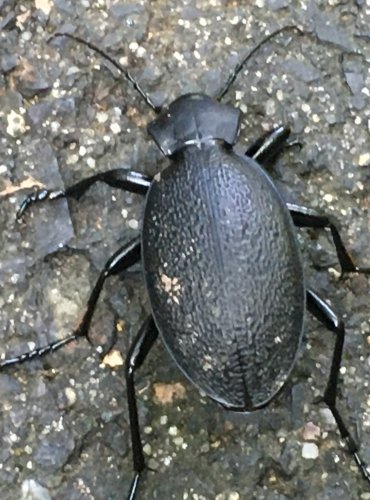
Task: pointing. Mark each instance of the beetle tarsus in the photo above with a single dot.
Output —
(137, 353)
(134, 486)
(362, 465)
(37, 353)
(324, 313)
(120, 178)
(125, 257)
(38, 196)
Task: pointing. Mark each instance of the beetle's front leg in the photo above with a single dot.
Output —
(136, 355)
(120, 178)
(323, 312)
(307, 217)
(269, 145)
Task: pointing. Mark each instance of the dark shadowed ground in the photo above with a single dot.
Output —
(64, 114)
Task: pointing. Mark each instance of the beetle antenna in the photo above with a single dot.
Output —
(240, 65)
(124, 71)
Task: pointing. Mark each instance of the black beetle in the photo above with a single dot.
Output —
(221, 262)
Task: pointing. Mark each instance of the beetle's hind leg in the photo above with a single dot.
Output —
(135, 358)
(307, 217)
(120, 178)
(124, 258)
(323, 312)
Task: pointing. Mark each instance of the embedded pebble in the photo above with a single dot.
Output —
(113, 359)
(311, 431)
(16, 124)
(310, 451)
(32, 490)
(71, 396)
(363, 159)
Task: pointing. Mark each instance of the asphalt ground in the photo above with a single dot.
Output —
(66, 114)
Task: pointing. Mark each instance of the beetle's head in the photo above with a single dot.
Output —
(193, 119)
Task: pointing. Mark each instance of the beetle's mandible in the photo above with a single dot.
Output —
(220, 259)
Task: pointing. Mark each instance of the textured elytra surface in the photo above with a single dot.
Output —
(224, 275)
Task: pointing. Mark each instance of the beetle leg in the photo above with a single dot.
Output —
(269, 145)
(120, 260)
(307, 217)
(136, 355)
(323, 312)
(120, 178)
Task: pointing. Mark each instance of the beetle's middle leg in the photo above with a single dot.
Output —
(124, 258)
(264, 149)
(323, 312)
(307, 217)
(120, 178)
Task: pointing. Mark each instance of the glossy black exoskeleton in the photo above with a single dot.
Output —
(221, 262)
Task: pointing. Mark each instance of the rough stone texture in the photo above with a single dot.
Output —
(64, 114)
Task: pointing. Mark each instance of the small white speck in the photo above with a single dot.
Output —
(364, 159)
(164, 419)
(228, 41)
(82, 151)
(328, 198)
(141, 52)
(173, 430)
(102, 117)
(26, 36)
(13, 437)
(90, 162)
(72, 160)
(178, 441)
(123, 60)
(70, 395)
(133, 224)
(178, 56)
(115, 128)
(133, 46)
(55, 126)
